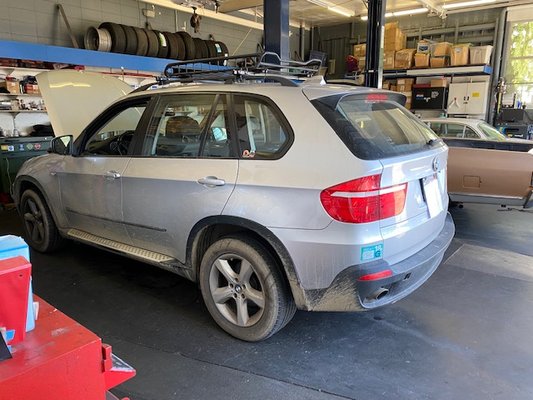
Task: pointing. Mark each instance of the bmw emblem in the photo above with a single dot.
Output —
(436, 164)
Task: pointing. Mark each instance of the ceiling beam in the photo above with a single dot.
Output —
(236, 5)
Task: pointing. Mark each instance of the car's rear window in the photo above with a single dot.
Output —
(372, 126)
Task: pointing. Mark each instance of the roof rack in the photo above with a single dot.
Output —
(242, 67)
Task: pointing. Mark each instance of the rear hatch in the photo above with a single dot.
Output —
(412, 185)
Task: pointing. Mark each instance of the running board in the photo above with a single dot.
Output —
(132, 251)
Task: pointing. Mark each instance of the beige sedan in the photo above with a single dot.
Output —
(483, 169)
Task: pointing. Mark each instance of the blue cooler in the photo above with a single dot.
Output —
(13, 246)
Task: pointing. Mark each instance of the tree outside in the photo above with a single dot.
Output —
(519, 75)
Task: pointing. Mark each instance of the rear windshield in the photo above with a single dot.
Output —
(491, 132)
(372, 126)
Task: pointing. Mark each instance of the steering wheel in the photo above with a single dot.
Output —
(123, 142)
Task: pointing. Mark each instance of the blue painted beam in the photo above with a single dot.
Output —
(67, 55)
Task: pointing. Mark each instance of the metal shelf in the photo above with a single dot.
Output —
(20, 95)
(23, 111)
(456, 71)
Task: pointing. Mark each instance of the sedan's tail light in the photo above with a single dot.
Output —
(363, 200)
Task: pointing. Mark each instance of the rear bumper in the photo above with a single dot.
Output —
(348, 293)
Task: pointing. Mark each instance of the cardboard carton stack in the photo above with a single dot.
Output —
(423, 52)
(440, 55)
(394, 41)
(405, 87)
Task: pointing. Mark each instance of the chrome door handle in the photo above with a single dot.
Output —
(111, 175)
(211, 181)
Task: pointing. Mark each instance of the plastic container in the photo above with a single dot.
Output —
(480, 54)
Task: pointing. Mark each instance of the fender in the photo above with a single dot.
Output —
(261, 231)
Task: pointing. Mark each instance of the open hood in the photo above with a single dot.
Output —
(75, 98)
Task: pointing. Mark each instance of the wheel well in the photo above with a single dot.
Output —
(24, 185)
(210, 234)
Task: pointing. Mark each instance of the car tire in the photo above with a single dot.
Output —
(118, 36)
(142, 41)
(153, 43)
(250, 304)
(39, 226)
(182, 52)
(190, 49)
(131, 39)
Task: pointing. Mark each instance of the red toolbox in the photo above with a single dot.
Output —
(60, 359)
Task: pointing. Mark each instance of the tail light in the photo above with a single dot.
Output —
(363, 200)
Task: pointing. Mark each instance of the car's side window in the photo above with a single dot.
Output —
(114, 137)
(454, 131)
(260, 130)
(179, 122)
(218, 139)
(470, 133)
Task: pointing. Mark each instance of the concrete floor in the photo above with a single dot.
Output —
(465, 334)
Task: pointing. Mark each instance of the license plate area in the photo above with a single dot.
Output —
(432, 195)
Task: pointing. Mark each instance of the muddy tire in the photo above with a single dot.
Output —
(39, 226)
(244, 289)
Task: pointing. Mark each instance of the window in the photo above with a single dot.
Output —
(115, 136)
(179, 124)
(260, 130)
(374, 129)
(491, 132)
(470, 134)
(519, 68)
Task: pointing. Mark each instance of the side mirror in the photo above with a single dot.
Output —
(62, 145)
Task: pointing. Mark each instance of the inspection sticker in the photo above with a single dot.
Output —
(371, 252)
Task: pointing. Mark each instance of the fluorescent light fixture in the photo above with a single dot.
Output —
(463, 4)
(318, 3)
(341, 11)
(400, 13)
(420, 10)
(333, 7)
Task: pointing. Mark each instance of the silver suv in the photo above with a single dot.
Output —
(272, 197)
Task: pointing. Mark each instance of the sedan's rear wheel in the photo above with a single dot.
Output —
(41, 231)
(244, 290)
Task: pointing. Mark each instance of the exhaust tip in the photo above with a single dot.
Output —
(378, 294)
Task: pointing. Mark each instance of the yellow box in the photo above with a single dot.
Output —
(404, 58)
(460, 54)
(388, 59)
(359, 50)
(421, 60)
(442, 49)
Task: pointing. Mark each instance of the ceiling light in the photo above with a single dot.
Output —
(364, 17)
(333, 7)
(421, 10)
(318, 3)
(466, 4)
(341, 11)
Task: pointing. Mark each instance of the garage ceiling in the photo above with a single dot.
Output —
(330, 12)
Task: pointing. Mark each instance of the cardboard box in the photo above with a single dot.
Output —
(404, 58)
(386, 85)
(440, 62)
(421, 60)
(425, 46)
(359, 50)
(394, 39)
(361, 62)
(439, 82)
(460, 54)
(442, 49)
(11, 86)
(405, 81)
(404, 88)
(388, 59)
(480, 54)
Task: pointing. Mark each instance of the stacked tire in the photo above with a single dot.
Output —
(117, 38)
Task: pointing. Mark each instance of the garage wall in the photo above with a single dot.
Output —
(38, 21)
